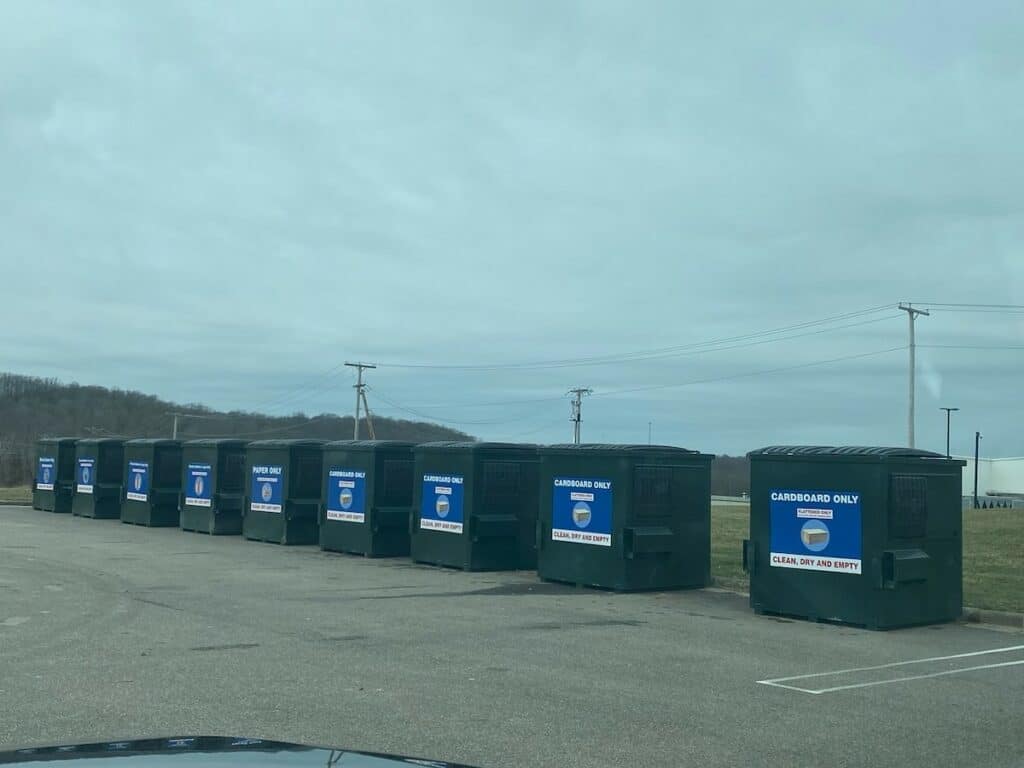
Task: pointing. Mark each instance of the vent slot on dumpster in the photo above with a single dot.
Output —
(66, 466)
(908, 506)
(306, 476)
(396, 487)
(501, 483)
(659, 493)
(167, 471)
(109, 467)
(232, 472)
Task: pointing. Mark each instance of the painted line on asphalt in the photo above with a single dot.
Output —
(786, 682)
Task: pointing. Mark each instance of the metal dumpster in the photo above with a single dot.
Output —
(99, 464)
(367, 501)
(860, 535)
(55, 474)
(213, 486)
(625, 517)
(475, 505)
(282, 504)
(152, 482)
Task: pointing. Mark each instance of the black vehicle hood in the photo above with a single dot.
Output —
(210, 752)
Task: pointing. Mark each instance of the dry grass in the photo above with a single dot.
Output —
(19, 494)
(993, 554)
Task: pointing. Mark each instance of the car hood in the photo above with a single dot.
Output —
(210, 752)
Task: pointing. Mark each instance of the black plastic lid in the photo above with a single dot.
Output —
(294, 443)
(880, 452)
(215, 442)
(367, 445)
(617, 447)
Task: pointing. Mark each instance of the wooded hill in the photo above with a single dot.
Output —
(31, 408)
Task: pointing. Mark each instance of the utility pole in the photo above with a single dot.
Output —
(360, 388)
(174, 429)
(577, 411)
(912, 313)
(180, 415)
(649, 432)
(948, 411)
(977, 445)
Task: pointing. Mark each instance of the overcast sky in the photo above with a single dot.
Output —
(222, 202)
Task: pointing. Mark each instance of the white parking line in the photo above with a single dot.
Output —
(782, 682)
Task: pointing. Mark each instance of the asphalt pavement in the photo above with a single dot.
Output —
(114, 631)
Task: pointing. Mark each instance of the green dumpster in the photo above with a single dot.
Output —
(625, 517)
(282, 503)
(213, 486)
(858, 535)
(367, 497)
(99, 463)
(55, 474)
(475, 506)
(152, 482)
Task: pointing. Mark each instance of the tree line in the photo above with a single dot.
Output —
(31, 408)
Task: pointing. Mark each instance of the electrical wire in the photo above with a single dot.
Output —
(693, 352)
(640, 355)
(748, 373)
(314, 384)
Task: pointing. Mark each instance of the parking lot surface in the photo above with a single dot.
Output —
(114, 631)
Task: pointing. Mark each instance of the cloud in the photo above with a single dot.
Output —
(216, 206)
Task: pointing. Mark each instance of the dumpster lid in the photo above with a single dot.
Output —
(632, 447)
(58, 440)
(154, 441)
(213, 442)
(879, 452)
(366, 445)
(101, 441)
(475, 446)
(294, 443)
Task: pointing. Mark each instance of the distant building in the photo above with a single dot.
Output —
(996, 477)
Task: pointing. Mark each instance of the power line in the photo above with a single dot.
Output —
(971, 346)
(634, 355)
(699, 351)
(932, 304)
(762, 372)
(455, 422)
(274, 430)
(308, 387)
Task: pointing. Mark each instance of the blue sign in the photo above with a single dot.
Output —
(441, 504)
(137, 487)
(346, 495)
(581, 511)
(266, 490)
(45, 474)
(199, 485)
(815, 530)
(85, 475)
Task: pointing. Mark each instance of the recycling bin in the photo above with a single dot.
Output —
(212, 486)
(282, 504)
(367, 497)
(625, 517)
(55, 474)
(475, 506)
(152, 482)
(99, 464)
(860, 535)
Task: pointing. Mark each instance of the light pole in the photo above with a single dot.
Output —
(948, 411)
(977, 445)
